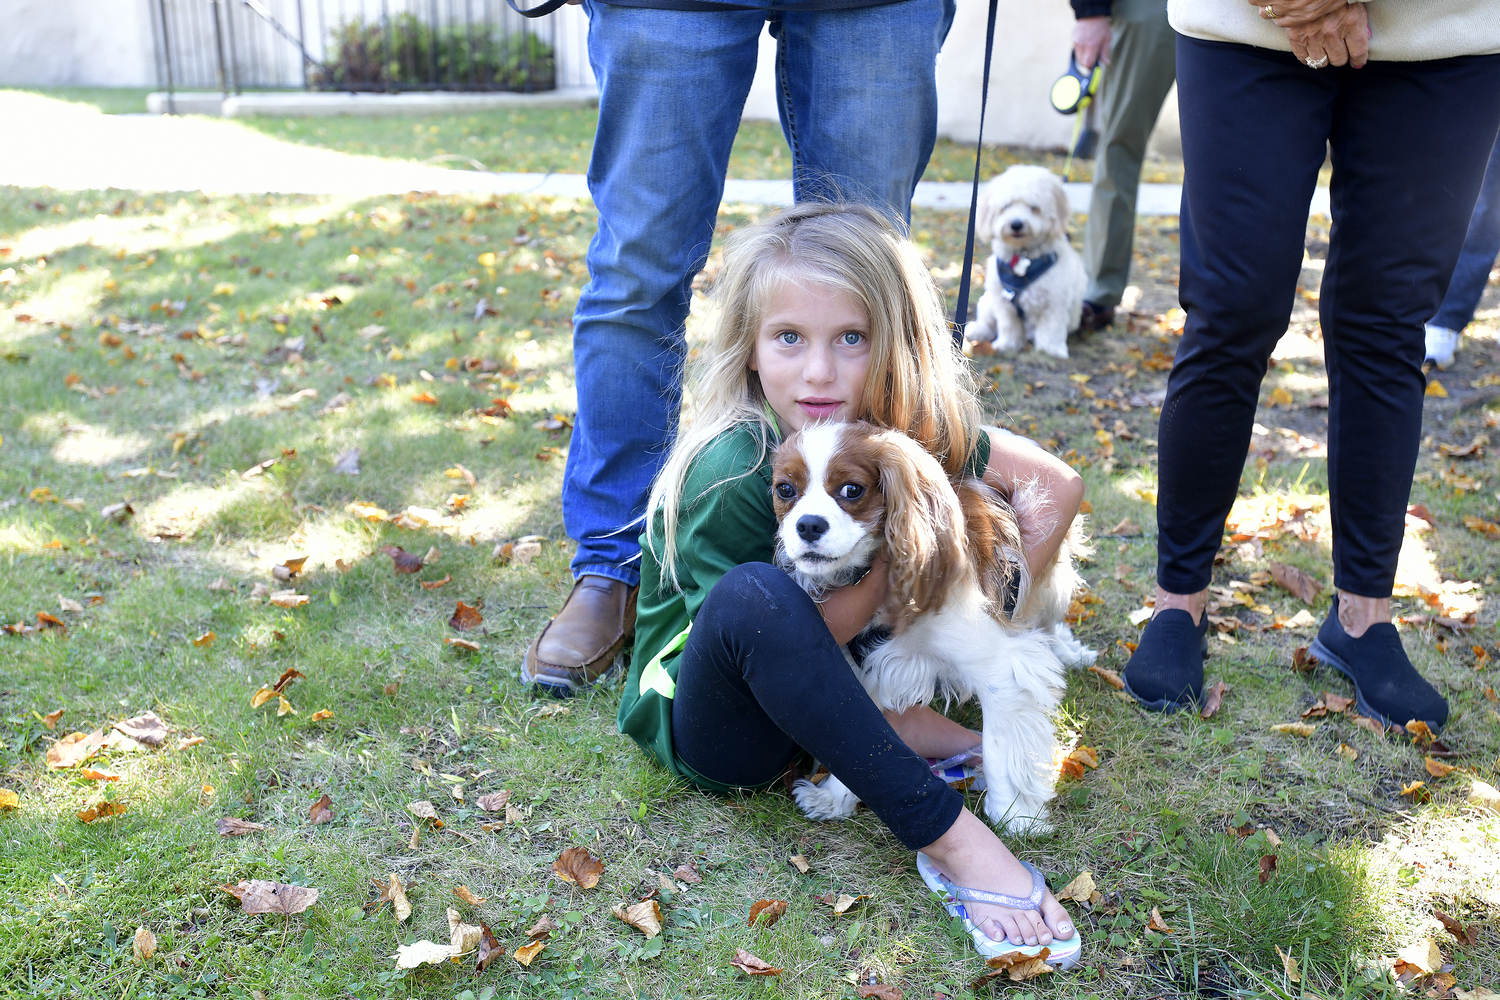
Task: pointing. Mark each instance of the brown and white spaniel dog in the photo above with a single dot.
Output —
(845, 492)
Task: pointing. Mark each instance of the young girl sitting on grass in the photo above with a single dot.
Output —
(824, 313)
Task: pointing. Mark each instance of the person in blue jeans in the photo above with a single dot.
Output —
(857, 91)
(1481, 246)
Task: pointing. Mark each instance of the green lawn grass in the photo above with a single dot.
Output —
(170, 344)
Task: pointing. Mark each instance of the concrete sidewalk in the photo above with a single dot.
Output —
(52, 143)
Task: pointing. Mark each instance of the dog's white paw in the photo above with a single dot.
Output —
(830, 800)
(1017, 819)
(1070, 651)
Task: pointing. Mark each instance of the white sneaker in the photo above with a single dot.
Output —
(1442, 344)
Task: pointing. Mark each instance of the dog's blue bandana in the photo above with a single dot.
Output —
(1017, 274)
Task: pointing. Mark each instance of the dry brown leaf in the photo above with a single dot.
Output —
(436, 584)
(1295, 728)
(527, 952)
(687, 872)
(97, 774)
(262, 696)
(144, 944)
(288, 599)
(1289, 966)
(321, 811)
(493, 802)
(1465, 936)
(1018, 965)
(206, 639)
(752, 966)
(230, 826)
(74, 748)
(1267, 866)
(846, 902)
(644, 916)
(463, 645)
(420, 953)
(147, 729)
(1080, 890)
(577, 865)
(263, 896)
(1295, 582)
(1373, 725)
(879, 991)
(1336, 702)
(1111, 678)
(1213, 697)
(394, 893)
(1419, 732)
(425, 397)
(799, 862)
(767, 911)
(489, 948)
(1417, 791)
(513, 814)
(464, 937)
(1347, 752)
(288, 570)
(463, 893)
(1156, 923)
(320, 715)
(1425, 955)
(9, 799)
(542, 928)
(190, 741)
(425, 810)
(101, 810)
(465, 618)
(1437, 768)
(50, 719)
(402, 561)
(1301, 661)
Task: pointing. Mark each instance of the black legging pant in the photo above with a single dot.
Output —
(762, 677)
(1410, 141)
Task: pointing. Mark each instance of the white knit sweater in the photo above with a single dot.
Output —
(1399, 29)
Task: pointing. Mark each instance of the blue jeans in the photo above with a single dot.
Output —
(1478, 256)
(858, 101)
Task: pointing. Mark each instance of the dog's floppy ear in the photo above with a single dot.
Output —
(1064, 210)
(994, 536)
(924, 529)
(984, 218)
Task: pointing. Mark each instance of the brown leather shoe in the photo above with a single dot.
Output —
(585, 641)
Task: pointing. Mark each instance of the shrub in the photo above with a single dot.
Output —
(405, 53)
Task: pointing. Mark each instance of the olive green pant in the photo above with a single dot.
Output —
(1142, 66)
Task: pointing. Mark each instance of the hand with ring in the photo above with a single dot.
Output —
(1296, 13)
(1340, 38)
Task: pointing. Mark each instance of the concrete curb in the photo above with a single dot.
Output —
(301, 104)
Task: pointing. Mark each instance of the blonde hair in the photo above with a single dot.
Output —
(918, 382)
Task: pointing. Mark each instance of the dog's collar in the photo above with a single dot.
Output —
(1018, 272)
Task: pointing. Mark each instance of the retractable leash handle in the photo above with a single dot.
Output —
(961, 311)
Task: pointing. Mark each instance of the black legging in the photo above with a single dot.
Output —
(762, 677)
(1410, 141)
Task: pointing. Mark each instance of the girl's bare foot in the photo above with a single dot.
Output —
(970, 855)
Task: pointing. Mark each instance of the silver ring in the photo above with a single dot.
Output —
(1316, 63)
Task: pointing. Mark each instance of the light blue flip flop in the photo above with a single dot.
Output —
(1064, 954)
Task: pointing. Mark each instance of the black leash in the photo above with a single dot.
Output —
(961, 311)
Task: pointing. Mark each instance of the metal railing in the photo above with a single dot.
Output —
(365, 45)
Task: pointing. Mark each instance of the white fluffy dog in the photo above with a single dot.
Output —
(1034, 281)
(843, 493)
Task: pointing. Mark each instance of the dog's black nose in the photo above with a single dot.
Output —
(1016, 225)
(811, 527)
